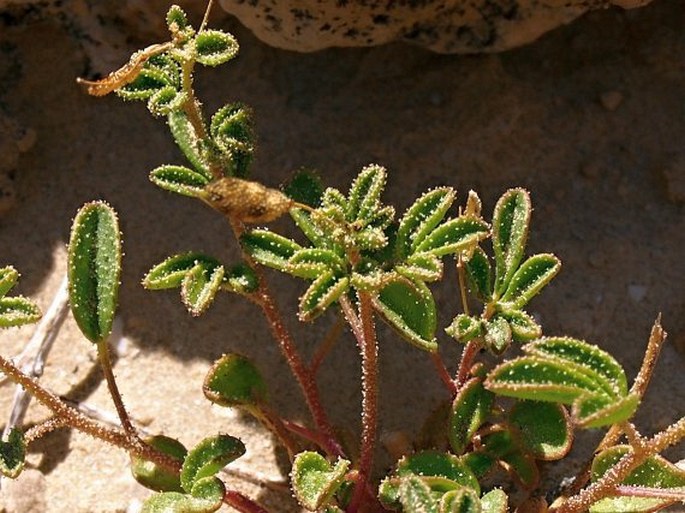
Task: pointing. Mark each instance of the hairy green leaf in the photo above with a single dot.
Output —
(465, 327)
(438, 464)
(182, 130)
(421, 218)
(454, 236)
(371, 239)
(207, 497)
(8, 278)
(12, 454)
(325, 290)
(529, 279)
(421, 267)
(166, 100)
(232, 131)
(269, 248)
(93, 269)
(523, 326)
(542, 429)
(17, 311)
(209, 457)
(313, 262)
(158, 72)
(470, 409)
(656, 472)
(199, 287)
(498, 335)
(176, 16)
(241, 278)
(509, 233)
(215, 47)
(171, 272)
(596, 412)
(156, 477)
(305, 187)
(495, 501)
(479, 462)
(416, 497)
(364, 196)
(314, 480)
(462, 500)
(479, 275)
(233, 380)
(180, 180)
(409, 307)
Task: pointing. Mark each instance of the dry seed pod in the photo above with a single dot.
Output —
(249, 202)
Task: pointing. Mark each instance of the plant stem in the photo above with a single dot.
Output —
(277, 426)
(242, 503)
(444, 373)
(462, 285)
(467, 356)
(106, 365)
(369, 352)
(327, 344)
(77, 420)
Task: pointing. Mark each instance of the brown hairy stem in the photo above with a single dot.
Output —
(242, 503)
(106, 365)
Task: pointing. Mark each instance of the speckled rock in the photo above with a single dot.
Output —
(444, 26)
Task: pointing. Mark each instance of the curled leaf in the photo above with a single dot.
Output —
(232, 132)
(523, 326)
(364, 196)
(465, 327)
(17, 311)
(156, 477)
(495, 501)
(498, 335)
(209, 457)
(166, 100)
(199, 287)
(8, 278)
(314, 480)
(171, 272)
(269, 248)
(94, 267)
(325, 290)
(462, 500)
(416, 496)
(180, 180)
(233, 380)
(215, 47)
(422, 267)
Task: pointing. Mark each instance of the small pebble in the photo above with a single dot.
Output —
(637, 292)
(610, 100)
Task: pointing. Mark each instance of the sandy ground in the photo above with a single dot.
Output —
(591, 119)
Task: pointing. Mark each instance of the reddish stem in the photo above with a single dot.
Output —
(369, 351)
(311, 436)
(444, 373)
(467, 358)
(242, 503)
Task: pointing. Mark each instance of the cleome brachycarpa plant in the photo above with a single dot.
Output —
(360, 257)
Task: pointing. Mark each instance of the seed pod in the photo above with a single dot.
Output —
(249, 202)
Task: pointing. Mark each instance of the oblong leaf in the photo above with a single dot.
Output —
(180, 180)
(656, 472)
(171, 272)
(325, 290)
(209, 457)
(582, 353)
(17, 311)
(416, 496)
(462, 500)
(269, 248)
(465, 327)
(8, 278)
(364, 195)
(454, 236)
(409, 307)
(495, 501)
(158, 72)
(438, 464)
(479, 275)
(535, 378)
(199, 287)
(233, 133)
(93, 269)
(421, 218)
(591, 413)
(523, 327)
(214, 47)
(233, 380)
(187, 140)
(241, 278)
(313, 232)
(165, 100)
(209, 499)
(470, 409)
(12, 454)
(542, 429)
(153, 476)
(421, 266)
(536, 272)
(314, 480)
(510, 222)
(312, 262)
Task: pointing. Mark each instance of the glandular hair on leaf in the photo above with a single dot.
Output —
(247, 201)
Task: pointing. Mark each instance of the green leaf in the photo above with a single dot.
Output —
(523, 468)
(421, 218)
(242, 279)
(176, 16)
(305, 187)
(325, 290)
(370, 239)
(159, 72)
(470, 409)
(479, 275)
(542, 429)
(8, 278)
(535, 378)
(523, 326)
(416, 497)
(454, 236)
(529, 279)
(594, 412)
(166, 100)
(497, 335)
(180, 180)
(12, 454)
(421, 267)
(334, 199)
(589, 356)
(17, 311)
(478, 462)
(182, 130)
(313, 262)
(215, 47)
(495, 501)
(314, 480)
(462, 500)
(438, 464)
(94, 267)
(208, 498)
(171, 272)
(509, 233)
(232, 131)
(409, 307)
(656, 472)
(200, 286)
(156, 477)
(269, 248)
(364, 196)
(313, 232)
(209, 457)
(465, 327)
(233, 380)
